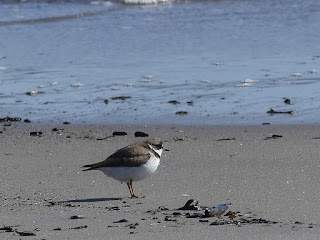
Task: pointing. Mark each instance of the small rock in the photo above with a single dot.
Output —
(120, 98)
(106, 101)
(119, 133)
(26, 233)
(77, 217)
(170, 219)
(174, 102)
(121, 221)
(141, 134)
(80, 227)
(57, 129)
(36, 134)
(7, 229)
(182, 113)
(287, 101)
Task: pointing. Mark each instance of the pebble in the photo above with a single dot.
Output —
(141, 134)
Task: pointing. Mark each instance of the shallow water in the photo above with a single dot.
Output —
(231, 60)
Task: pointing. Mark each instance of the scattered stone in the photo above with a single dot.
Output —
(106, 101)
(57, 229)
(80, 227)
(77, 217)
(179, 139)
(190, 205)
(119, 133)
(176, 214)
(121, 221)
(57, 129)
(274, 136)
(7, 124)
(36, 134)
(266, 123)
(287, 101)
(52, 203)
(194, 215)
(27, 121)
(226, 139)
(121, 98)
(7, 229)
(25, 233)
(115, 208)
(296, 74)
(174, 102)
(182, 113)
(66, 123)
(132, 225)
(190, 103)
(204, 220)
(163, 208)
(141, 134)
(271, 111)
(170, 219)
(10, 119)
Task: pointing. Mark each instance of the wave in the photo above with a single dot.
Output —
(145, 2)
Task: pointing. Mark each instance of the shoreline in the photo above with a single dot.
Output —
(261, 172)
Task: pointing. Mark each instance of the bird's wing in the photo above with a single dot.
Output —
(131, 156)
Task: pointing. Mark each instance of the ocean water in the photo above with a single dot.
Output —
(221, 62)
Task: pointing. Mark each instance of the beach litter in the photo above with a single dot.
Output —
(216, 211)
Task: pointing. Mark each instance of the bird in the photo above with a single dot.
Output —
(132, 163)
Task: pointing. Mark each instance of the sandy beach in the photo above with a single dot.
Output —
(268, 176)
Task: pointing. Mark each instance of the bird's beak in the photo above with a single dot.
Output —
(165, 149)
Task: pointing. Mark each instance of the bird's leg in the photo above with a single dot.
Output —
(131, 190)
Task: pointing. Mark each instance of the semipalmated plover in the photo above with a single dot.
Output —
(132, 163)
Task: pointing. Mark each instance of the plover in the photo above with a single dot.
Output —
(132, 163)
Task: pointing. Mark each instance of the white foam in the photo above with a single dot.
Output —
(144, 2)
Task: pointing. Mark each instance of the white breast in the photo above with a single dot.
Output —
(125, 174)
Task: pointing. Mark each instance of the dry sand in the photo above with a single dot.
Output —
(275, 179)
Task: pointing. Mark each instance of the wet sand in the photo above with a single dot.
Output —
(265, 173)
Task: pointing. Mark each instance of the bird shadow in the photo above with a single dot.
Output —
(88, 200)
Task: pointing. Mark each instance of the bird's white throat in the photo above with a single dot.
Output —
(158, 151)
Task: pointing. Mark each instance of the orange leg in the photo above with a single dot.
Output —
(131, 189)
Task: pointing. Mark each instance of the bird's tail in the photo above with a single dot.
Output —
(90, 167)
